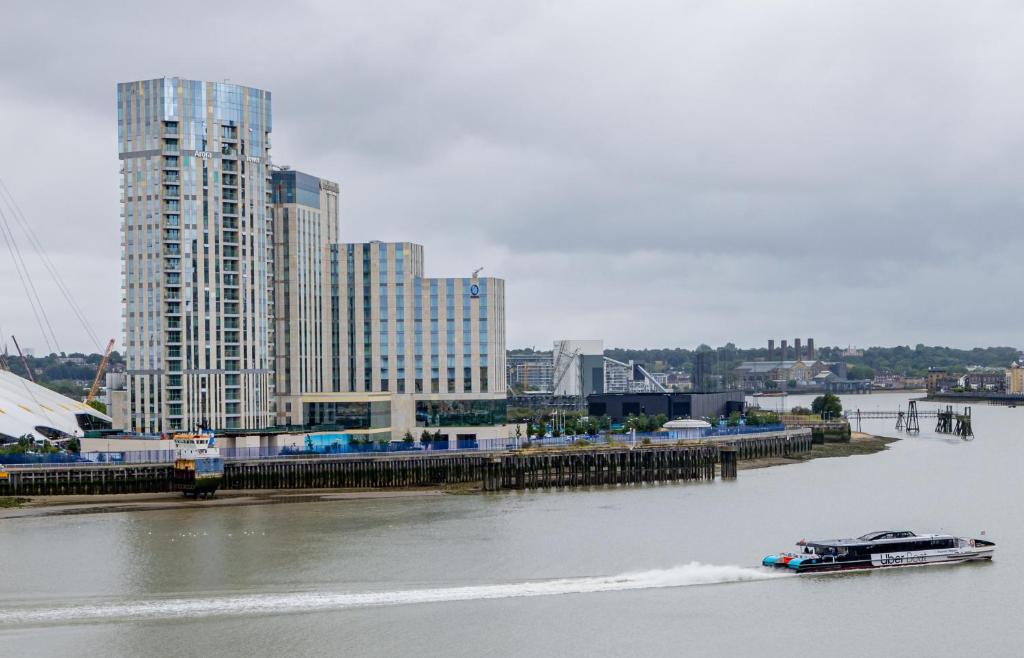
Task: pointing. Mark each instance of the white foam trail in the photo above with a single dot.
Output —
(694, 573)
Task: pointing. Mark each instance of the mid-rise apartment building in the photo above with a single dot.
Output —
(1015, 379)
(196, 254)
(531, 372)
(305, 216)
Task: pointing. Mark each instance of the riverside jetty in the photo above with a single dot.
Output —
(682, 461)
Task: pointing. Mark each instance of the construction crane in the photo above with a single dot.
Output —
(559, 376)
(99, 373)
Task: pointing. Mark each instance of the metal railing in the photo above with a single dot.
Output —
(499, 444)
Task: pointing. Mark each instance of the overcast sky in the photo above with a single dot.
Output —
(653, 173)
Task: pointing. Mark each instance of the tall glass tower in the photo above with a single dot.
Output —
(197, 254)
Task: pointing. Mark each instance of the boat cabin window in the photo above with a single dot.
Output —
(886, 534)
(906, 546)
(838, 551)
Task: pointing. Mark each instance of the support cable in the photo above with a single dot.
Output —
(48, 264)
(26, 282)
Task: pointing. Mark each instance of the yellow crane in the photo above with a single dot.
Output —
(99, 373)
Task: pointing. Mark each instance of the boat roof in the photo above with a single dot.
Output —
(873, 537)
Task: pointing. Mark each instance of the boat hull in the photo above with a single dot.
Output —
(827, 564)
(198, 477)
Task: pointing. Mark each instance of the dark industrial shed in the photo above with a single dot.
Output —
(618, 406)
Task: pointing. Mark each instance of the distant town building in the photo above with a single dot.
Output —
(679, 380)
(799, 352)
(939, 379)
(980, 378)
(702, 375)
(631, 377)
(578, 367)
(1015, 378)
(761, 375)
(915, 382)
(887, 379)
(530, 372)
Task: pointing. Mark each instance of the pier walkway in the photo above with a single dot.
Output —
(519, 469)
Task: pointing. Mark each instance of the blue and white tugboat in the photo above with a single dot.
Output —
(198, 466)
(880, 550)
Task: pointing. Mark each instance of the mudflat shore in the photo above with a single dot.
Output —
(62, 505)
(859, 444)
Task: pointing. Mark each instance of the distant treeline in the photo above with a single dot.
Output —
(60, 373)
(902, 360)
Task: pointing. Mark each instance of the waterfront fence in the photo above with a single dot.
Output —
(500, 444)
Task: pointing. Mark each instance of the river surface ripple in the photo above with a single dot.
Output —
(652, 570)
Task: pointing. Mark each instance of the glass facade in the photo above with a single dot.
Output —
(460, 413)
(295, 187)
(403, 333)
(350, 415)
(197, 254)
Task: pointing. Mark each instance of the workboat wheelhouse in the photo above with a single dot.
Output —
(882, 549)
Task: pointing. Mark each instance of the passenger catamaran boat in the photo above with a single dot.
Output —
(879, 550)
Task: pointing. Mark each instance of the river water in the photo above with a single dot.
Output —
(653, 570)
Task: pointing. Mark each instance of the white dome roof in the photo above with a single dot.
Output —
(24, 406)
(686, 424)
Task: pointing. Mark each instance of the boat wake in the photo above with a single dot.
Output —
(687, 575)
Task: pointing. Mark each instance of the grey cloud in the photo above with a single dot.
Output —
(647, 173)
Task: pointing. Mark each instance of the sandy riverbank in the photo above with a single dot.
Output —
(36, 506)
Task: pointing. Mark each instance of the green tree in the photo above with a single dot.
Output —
(828, 406)
(98, 406)
(857, 371)
(791, 383)
(408, 437)
(426, 437)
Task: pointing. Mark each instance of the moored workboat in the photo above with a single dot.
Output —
(198, 466)
(880, 550)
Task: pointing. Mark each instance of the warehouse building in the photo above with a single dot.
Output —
(619, 406)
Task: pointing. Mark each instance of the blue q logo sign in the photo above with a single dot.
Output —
(474, 290)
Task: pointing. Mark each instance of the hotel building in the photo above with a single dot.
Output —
(412, 353)
(196, 254)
